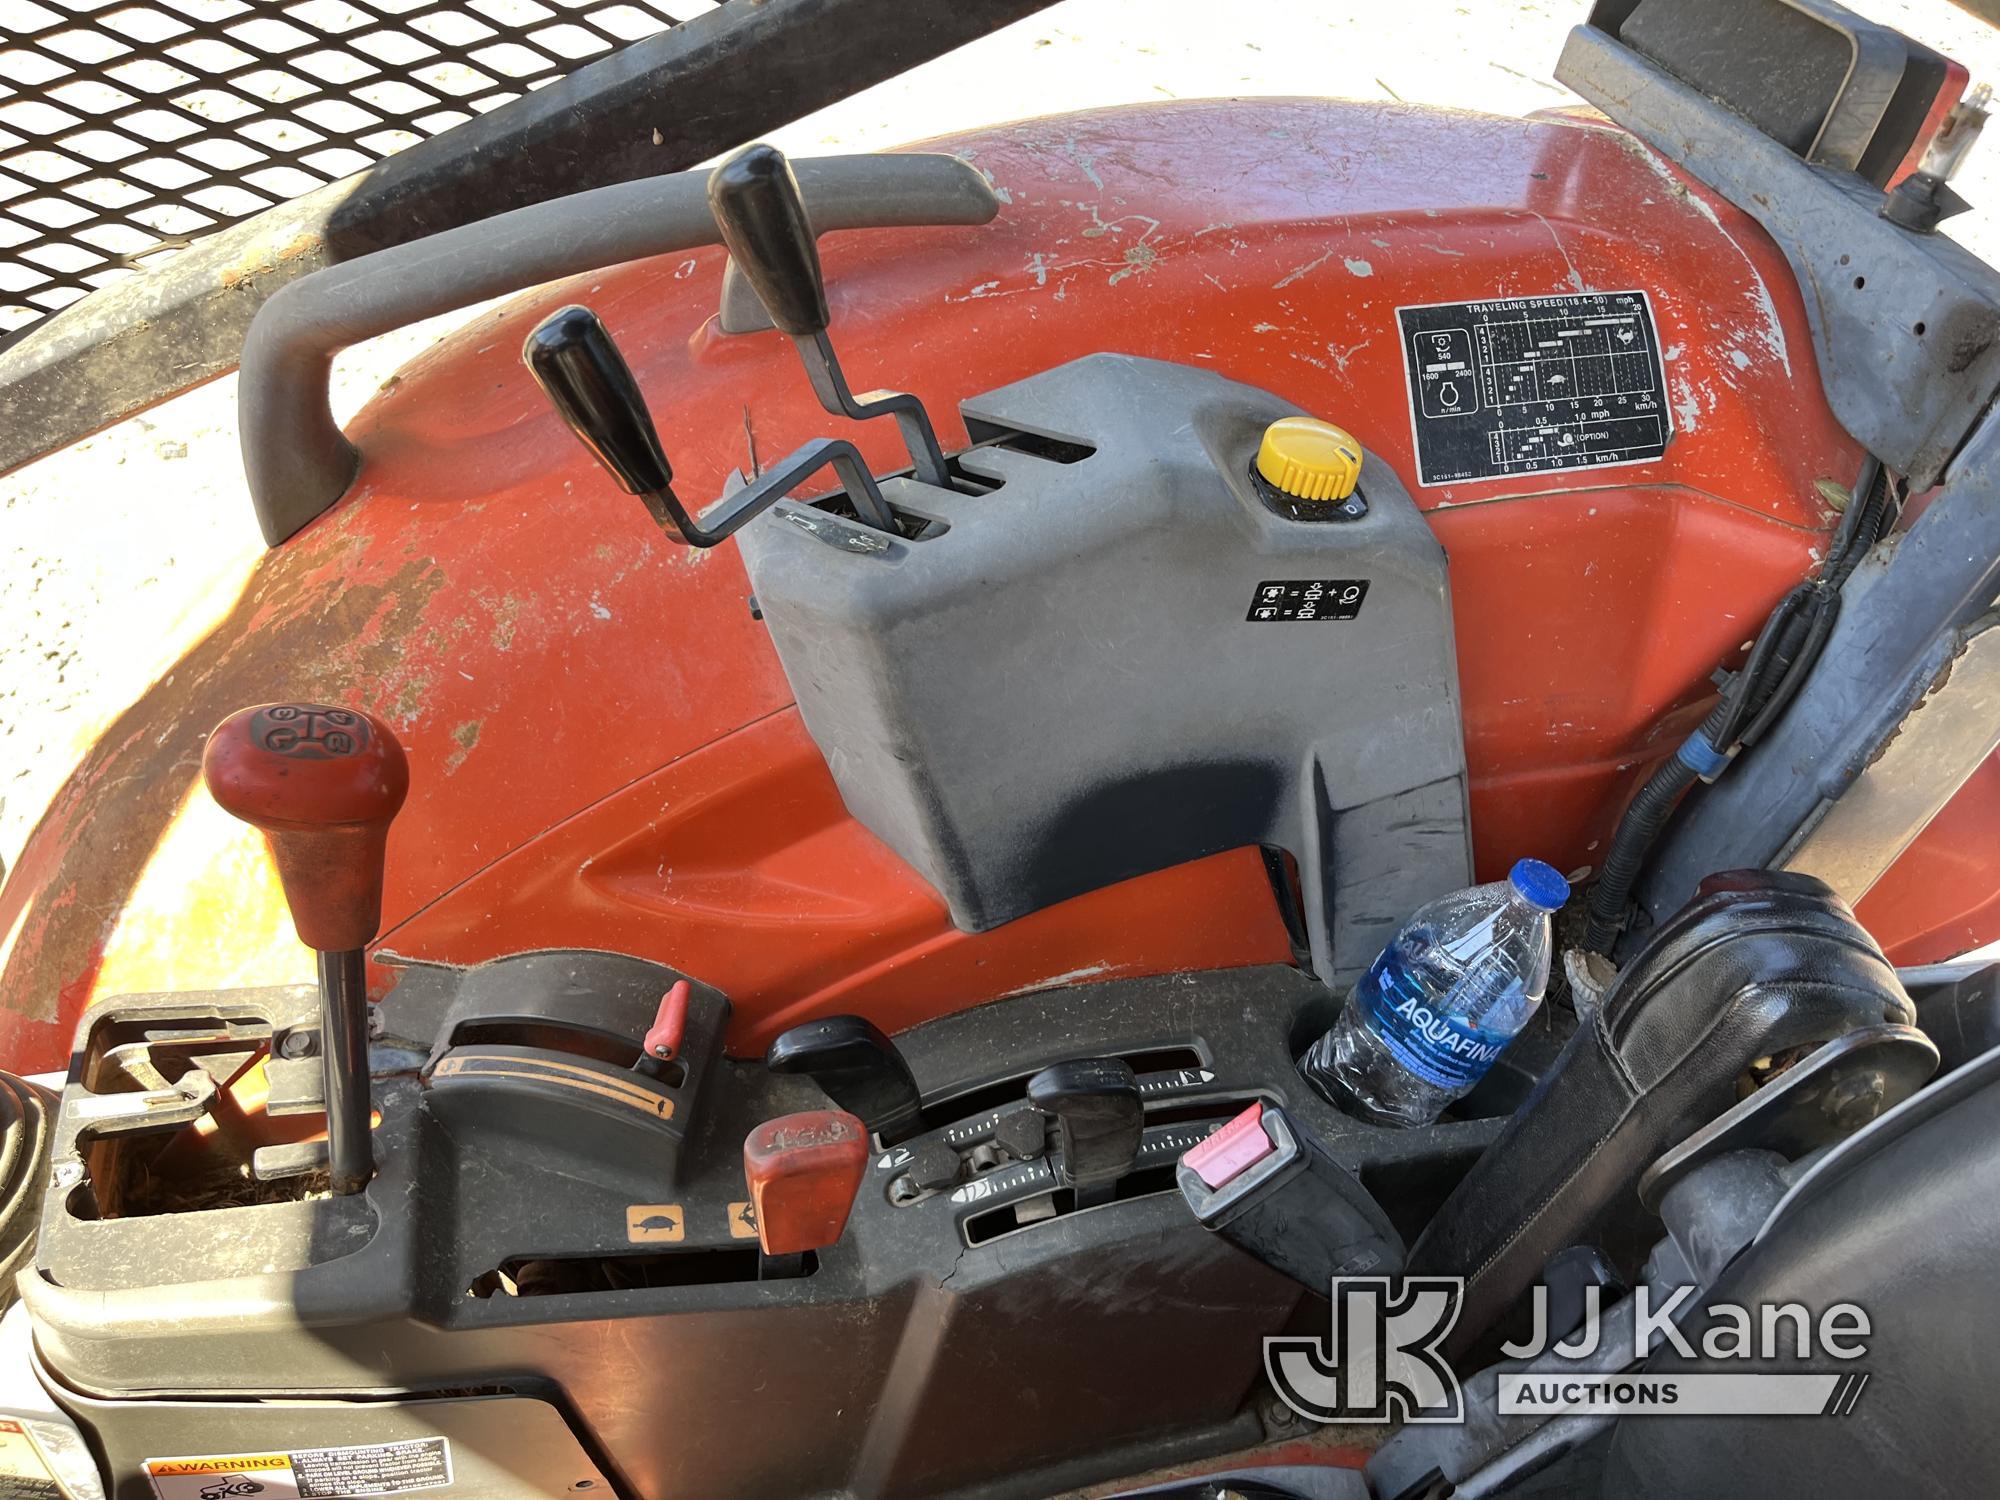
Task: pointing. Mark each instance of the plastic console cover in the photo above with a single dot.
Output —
(1068, 682)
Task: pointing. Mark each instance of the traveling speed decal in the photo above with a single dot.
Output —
(1525, 385)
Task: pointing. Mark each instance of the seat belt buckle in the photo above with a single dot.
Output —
(1265, 1185)
(1235, 1161)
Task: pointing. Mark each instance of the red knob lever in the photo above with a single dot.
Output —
(323, 784)
(804, 1171)
(663, 1041)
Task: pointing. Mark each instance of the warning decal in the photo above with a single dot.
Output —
(309, 1473)
(23, 1474)
(1527, 385)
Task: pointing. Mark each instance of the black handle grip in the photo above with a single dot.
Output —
(860, 1069)
(756, 203)
(1099, 1117)
(574, 361)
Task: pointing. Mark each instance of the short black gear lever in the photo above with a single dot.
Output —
(573, 358)
(860, 1069)
(1099, 1121)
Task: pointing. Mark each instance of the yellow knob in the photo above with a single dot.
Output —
(1309, 459)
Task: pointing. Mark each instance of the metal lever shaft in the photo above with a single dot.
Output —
(757, 207)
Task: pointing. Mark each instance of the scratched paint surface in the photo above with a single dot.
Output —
(551, 661)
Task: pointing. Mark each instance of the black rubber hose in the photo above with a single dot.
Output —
(27, 1116)
(1861, 528)
(1638, 830)
(1781, 631)
(1826, 610)
(1764, 677)
(1783, 654)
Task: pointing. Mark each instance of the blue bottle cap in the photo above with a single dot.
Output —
(1538, 884)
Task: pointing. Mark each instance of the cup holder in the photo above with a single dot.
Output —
(1312, 1020)
(1503, 1090)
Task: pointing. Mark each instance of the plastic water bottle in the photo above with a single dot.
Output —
(1440, 1002)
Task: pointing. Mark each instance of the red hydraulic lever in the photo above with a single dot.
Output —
(322, 784)
(663, 1042)
(804, 1171)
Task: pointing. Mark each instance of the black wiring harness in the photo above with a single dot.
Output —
(1753, 698)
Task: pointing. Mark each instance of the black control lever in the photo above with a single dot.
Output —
(573, 358)
(860, 1069)
(1099, 1121)
(756, 203)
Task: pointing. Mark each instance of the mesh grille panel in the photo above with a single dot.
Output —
(129, 129)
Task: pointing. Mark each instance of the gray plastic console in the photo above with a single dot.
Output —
(1083, 675)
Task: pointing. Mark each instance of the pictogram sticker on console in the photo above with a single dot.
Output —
(1527, 385)
(1285, 599)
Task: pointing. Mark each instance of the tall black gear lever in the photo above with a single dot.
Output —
(761, 217)
(756, 203)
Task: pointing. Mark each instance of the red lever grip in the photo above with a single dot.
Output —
(804, 1171)
(323, 785)
(663, 1041)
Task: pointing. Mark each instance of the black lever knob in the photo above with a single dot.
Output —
(1099, 1120)
(573, 359)
(859, 1068)
(755, 200)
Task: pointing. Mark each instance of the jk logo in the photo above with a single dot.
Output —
(1379, 1361)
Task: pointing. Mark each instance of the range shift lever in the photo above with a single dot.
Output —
(756, 203)
(576, 363)
(322, 784)
(1099, 1121)
(860, 1069)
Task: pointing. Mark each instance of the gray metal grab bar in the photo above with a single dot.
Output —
(296, 458)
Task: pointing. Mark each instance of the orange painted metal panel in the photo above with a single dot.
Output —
(600, 739)
(1942, 897)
